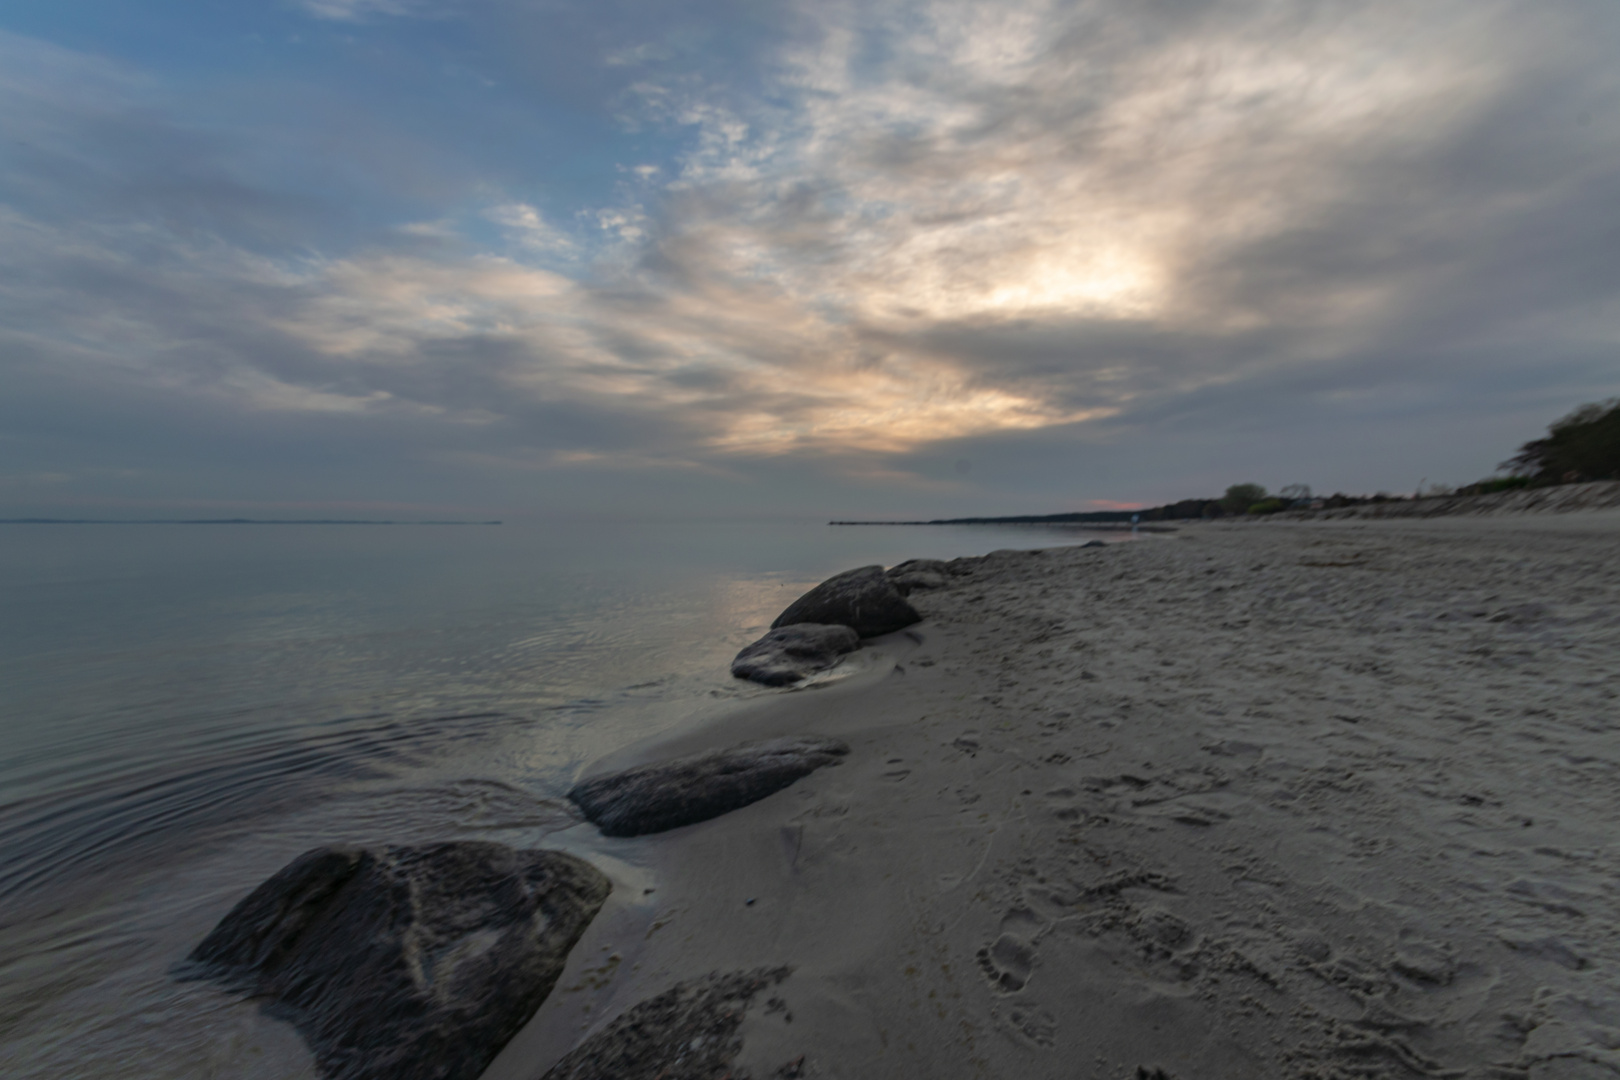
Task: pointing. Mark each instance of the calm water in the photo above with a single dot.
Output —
(183, 708)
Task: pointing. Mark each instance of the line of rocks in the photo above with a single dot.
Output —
(827, 623)
(421, 962)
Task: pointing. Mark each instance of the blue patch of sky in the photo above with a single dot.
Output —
(356, 127)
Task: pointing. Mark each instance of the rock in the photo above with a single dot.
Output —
(405, 963)
(865, 600)
(906, 584)
(921, 566)
(789, 653)
(919, 574)
(667, 795)
(1093, 543)
(689, 1032)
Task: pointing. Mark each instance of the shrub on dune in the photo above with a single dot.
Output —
(1585, 445)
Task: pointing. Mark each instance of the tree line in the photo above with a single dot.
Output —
(1579, 447)
(1582, 446)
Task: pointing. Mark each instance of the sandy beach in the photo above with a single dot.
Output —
(1286, 799)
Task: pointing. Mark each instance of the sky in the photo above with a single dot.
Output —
(725, 258)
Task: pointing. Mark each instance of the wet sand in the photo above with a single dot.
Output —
(1333, 799)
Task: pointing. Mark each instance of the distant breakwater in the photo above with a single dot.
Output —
(1079, 521)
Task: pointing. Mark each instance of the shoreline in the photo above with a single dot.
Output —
(1565, 498)
(1324, 799)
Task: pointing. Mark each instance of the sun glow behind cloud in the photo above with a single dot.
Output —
(992, 171)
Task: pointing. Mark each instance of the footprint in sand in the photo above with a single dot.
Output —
(1007, 963)
(1033, 1024)
(1164, 929)
(1009, 959)
(1424, 962)
(1060, 801)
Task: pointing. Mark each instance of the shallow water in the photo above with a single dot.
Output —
(183, 708)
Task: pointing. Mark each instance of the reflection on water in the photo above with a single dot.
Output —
(185, 708)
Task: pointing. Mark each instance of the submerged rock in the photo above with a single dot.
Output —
(669, 794)
(405, 963)
(864, 599)
(789, 653)
(689, 1032)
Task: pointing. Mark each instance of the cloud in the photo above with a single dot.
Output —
(359, 10)
(914, 226)
(33, 479)
(530, 230)
(1083, 208)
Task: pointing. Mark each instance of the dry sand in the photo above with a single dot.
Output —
(1280, 800)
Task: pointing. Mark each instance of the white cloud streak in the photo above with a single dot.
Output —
(359, 10)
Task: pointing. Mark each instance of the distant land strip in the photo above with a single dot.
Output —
(1096, 517)
(224, 521)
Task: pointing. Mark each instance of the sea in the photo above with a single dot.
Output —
(186, 707)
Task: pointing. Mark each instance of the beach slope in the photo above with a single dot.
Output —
(1281, 800)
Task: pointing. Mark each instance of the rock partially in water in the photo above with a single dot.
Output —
(914, 574)
(689, 1032)
(405, 963)
(669, 794)
(864, 599)
(790, 653)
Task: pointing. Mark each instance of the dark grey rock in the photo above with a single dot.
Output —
(922, 566)
(689, 1032)
(914, 574)
(1093, 543)
(669, 794)
(789, 653)
(865, 600)
(405, 963)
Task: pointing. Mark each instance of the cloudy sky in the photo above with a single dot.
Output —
(734, 257)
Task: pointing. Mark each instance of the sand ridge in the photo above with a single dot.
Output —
(1283, 800)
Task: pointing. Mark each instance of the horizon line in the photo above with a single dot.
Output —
(228, 521)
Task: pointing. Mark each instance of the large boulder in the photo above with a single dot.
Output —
(789, 653)
(669, 794)
(405, 963)
(864, 599)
